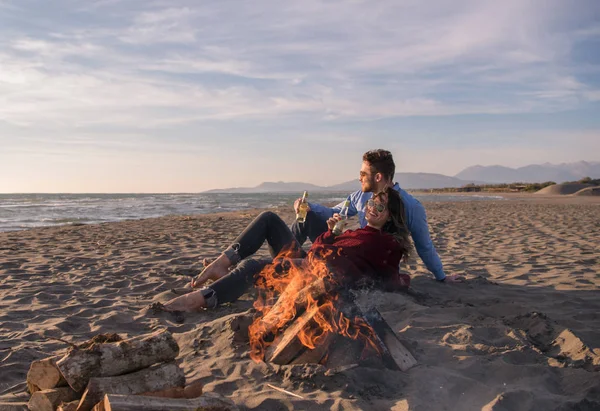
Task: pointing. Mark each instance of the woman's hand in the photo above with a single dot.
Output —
(333, 220)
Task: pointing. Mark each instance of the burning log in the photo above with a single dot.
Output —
(315, 291)
(115, 402)
(48, 400)
(152, 379)
(343, 351)
(316, 355)
(110, 359)
(394, 353)
(288, 346)
(44, 374)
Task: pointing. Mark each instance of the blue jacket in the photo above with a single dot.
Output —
(416, 219)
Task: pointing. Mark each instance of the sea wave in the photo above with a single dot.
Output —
(23, 211)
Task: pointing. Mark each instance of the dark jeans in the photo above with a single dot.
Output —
(312, 227)
(268, 227)
(239, 280)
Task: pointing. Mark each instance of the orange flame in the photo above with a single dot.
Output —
(304, 287)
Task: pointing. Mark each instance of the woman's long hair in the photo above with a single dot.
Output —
(396, 225)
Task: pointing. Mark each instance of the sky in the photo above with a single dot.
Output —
(185, 96)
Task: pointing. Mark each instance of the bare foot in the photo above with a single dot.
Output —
(455, 278)
(213, 271)
(190, 302)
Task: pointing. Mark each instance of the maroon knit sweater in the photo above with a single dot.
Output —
(363, 252)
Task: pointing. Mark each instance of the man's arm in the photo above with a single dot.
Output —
(323, 212)
(419, 231)
(327, 212)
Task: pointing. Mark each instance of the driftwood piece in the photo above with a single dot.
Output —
(68, 406)
(109, 359)
(287, 346)
(192, 390)
(48, 400)
(44, 374)
(157, 378)
(394, 354)
(207, 402)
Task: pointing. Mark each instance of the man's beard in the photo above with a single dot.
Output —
(368, 186)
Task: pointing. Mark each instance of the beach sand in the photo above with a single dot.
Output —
(522, 333)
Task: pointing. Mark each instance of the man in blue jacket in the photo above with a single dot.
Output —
(377, 172)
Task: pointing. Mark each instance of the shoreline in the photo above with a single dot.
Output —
(522, 197)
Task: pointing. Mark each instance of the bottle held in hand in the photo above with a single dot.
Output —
(302, 208)
(338, 228)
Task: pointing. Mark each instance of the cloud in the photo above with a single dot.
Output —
(146, 64)
(593, 95)
(171, 25)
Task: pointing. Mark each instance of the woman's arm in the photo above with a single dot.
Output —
(326, 238)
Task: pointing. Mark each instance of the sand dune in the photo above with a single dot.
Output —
(590, 191)
(522, 333)
(562, 189)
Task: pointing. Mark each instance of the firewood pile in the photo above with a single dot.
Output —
(374, 344)
(110, 374)
(383, 350)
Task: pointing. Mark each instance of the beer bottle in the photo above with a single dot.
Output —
(338, 228)
(302, 208)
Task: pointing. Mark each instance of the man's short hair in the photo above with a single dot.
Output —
(381, 161)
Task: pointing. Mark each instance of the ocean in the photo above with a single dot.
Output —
(24, 211)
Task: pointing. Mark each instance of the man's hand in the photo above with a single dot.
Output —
(297, 203)
(455, 278)
(333, 220)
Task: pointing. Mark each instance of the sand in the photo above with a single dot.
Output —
(522, 333)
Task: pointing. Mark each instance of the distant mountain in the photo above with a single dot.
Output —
(407, 181)
(535, 173)
(272, 187)
(411, 181)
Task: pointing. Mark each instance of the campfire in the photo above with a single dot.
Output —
(307, 315)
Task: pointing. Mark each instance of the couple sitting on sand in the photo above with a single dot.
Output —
(387, 215)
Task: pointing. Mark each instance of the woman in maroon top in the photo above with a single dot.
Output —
(355, 257)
